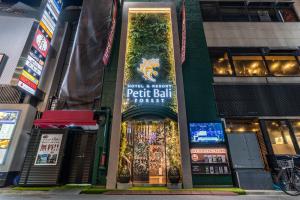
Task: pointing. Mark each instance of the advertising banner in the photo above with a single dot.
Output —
(78, 91)
(35, 61)
(8, 121)
(48, 150)
(209, 161)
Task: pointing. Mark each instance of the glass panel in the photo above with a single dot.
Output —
(283, 65)
(296, 127)
(280, 138)
(249, 66)
(221, 63)
(288, 15)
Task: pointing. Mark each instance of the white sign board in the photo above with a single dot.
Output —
(48, 150)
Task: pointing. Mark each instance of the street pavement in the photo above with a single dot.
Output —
(47, 196)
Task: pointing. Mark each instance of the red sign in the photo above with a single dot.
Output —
(111, 35)
(28, 82)
(183, 34)
(41, 43)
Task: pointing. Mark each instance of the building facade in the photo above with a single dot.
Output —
(165, 93)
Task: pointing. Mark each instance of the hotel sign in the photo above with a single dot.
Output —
(149, 93)
(35, 60)
(149, 71)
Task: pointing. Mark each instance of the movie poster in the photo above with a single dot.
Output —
(48, 150)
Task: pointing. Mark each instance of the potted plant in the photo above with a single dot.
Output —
(124, 174)
(174, 174)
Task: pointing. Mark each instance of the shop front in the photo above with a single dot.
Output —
(151, 149)
(149, 142)
(282, 137)
(275, 138)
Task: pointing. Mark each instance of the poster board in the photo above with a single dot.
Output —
(210, 161)
(48, 150)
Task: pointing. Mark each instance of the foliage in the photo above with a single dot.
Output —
(173, 144)
(150, 36)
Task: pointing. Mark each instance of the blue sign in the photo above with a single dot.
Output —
(207, 133)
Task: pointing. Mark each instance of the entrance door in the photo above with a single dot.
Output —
(81, 156)
(149, 152)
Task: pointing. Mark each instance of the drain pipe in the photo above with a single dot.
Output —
(101, 154)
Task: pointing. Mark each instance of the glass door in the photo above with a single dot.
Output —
(149, 153)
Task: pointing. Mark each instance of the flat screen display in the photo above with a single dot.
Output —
(207, 133)
(8, 122)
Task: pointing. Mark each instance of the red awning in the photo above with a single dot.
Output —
(66, 118)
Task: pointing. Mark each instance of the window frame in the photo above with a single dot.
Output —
(290, 130)
(233, 51)
(246, 6)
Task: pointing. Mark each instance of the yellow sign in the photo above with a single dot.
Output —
(30, 77)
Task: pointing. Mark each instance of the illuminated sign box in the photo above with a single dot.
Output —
(8, 122)
(207, 133)
(209, 161)
(35, 61)
(148, 93)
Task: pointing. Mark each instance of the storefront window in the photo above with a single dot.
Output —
(249, 66)
(280, 137)
(221, 64)
(296, 128)
(283, 65)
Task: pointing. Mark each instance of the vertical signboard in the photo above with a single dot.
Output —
(48, 150)
(8, 122)
(111, 35)
(35, 61)
(150, 64)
